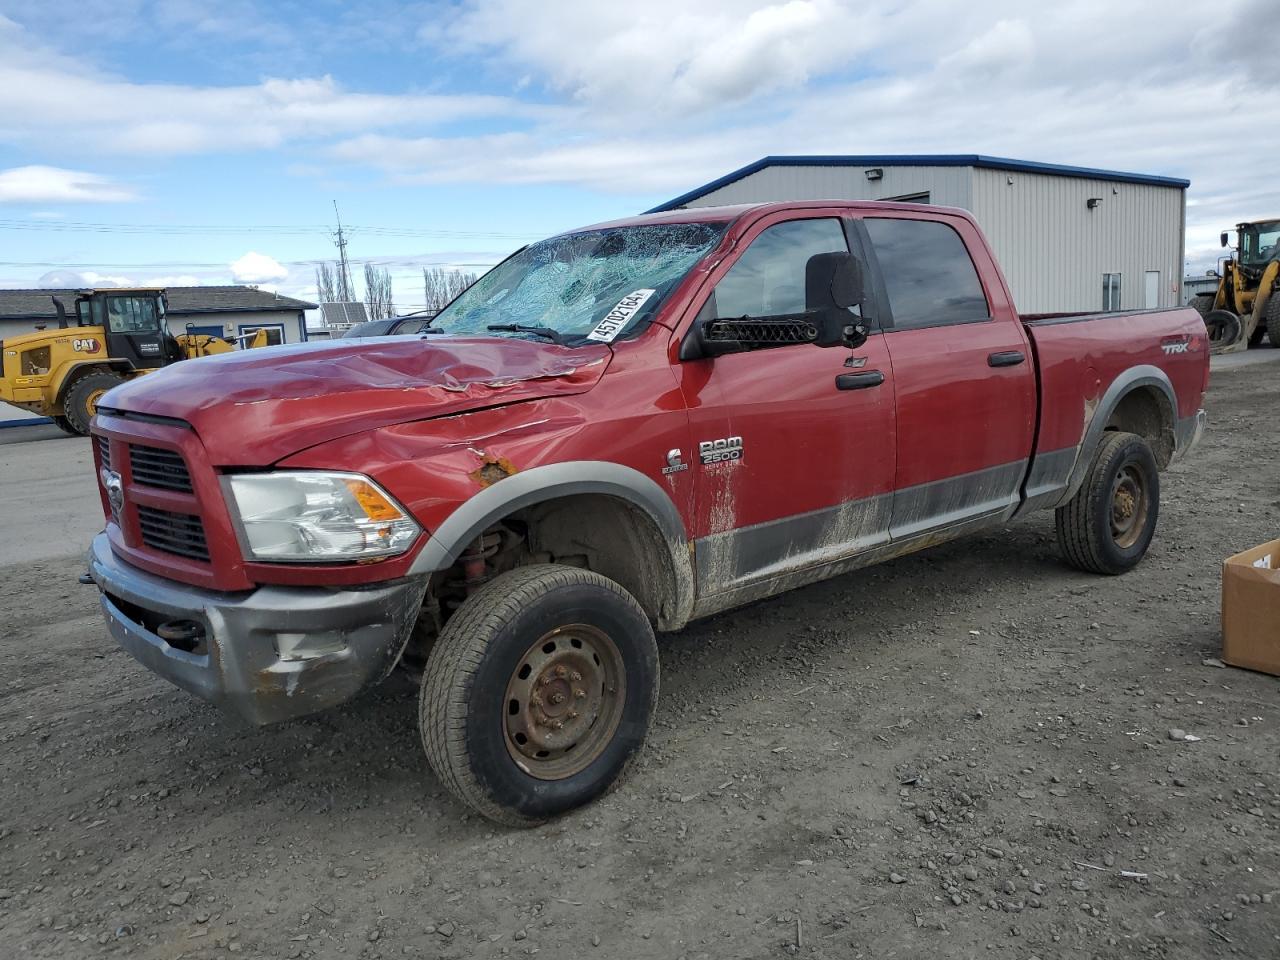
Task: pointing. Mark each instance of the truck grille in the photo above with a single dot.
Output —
(178, 533)
(154, 467)
(104, 449)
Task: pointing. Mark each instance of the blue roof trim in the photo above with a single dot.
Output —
(921, 160)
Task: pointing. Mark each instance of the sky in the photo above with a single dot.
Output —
(174, 142)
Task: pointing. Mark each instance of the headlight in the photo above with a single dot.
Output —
(303, 515)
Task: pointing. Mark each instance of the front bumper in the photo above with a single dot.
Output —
(268, 654)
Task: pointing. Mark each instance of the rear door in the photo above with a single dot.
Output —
(793, 446)
(963, 373)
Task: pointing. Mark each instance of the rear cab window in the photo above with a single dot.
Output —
(929, 277)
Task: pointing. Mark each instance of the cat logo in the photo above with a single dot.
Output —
(85, 345)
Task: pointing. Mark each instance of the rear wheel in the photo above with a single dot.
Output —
(65, 426)
(82, 398)
(1108, 525)
(538, 693)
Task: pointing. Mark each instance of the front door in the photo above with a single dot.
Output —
(136, 331)
(963, 373)
(793, 446)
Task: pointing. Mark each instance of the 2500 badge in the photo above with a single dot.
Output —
(718, 451)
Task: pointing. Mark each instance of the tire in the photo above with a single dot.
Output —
(1224, 329)
(1108, 525)
(65, 426)
(1202, 303)
(1272, 317)
(529, 631)
(82, 398)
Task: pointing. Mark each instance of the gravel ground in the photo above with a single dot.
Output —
(962, 753)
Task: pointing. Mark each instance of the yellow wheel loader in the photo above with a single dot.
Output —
(116, 334)
(1246, 306)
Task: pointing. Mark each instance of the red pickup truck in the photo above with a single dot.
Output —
(616, 430)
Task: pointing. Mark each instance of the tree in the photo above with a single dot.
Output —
(325, 292)
(377, 292)
(440, 286)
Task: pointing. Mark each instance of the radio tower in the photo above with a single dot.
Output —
(344, 269)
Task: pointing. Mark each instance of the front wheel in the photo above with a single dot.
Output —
(538, 693)
(82, 398)
(1108, 525)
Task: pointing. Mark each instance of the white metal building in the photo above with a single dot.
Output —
(1068, 238)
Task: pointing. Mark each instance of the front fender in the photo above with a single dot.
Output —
(549, 482)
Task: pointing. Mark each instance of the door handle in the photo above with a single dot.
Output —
(1005, 358)
(859, 381)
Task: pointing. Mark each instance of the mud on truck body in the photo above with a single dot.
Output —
(615, 431)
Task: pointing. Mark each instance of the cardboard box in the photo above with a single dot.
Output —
(1251, 609)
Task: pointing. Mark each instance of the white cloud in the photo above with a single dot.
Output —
(174, 280)
(38, 184)
(81, 279)
(665, 56)
(258, 268)
(45, 93)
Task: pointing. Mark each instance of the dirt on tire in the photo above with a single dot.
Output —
(975, 751)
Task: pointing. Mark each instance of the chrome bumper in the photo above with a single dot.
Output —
(268, 654)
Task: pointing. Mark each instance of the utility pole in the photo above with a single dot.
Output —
(344, 269)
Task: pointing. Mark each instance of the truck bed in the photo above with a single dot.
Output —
(1083, 360)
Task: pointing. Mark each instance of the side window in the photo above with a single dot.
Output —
(768, 278)
(928, 274)
(131, 315)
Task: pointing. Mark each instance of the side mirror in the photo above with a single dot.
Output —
(1223, 238)
(832, 285)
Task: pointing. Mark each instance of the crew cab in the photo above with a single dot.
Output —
(615, 431)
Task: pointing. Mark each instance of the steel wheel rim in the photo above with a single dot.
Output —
(564, 701)
(91, 402)
(1128, 505)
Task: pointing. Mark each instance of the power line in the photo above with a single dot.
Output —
(222, 265)
(81, 226)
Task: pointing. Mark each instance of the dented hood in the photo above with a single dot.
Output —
(255, 407)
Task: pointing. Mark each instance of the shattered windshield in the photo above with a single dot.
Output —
(596, 285)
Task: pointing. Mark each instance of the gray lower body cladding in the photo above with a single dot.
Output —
(269, 654)
(750, 562)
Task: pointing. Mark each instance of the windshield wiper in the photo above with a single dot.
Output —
(555, 336)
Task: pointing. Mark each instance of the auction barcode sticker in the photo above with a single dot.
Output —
(620, 315)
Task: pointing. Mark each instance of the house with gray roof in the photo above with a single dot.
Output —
(225, 311)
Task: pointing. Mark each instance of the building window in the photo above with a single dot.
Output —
(1111, 291)
(928, 274)
(275, 333)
